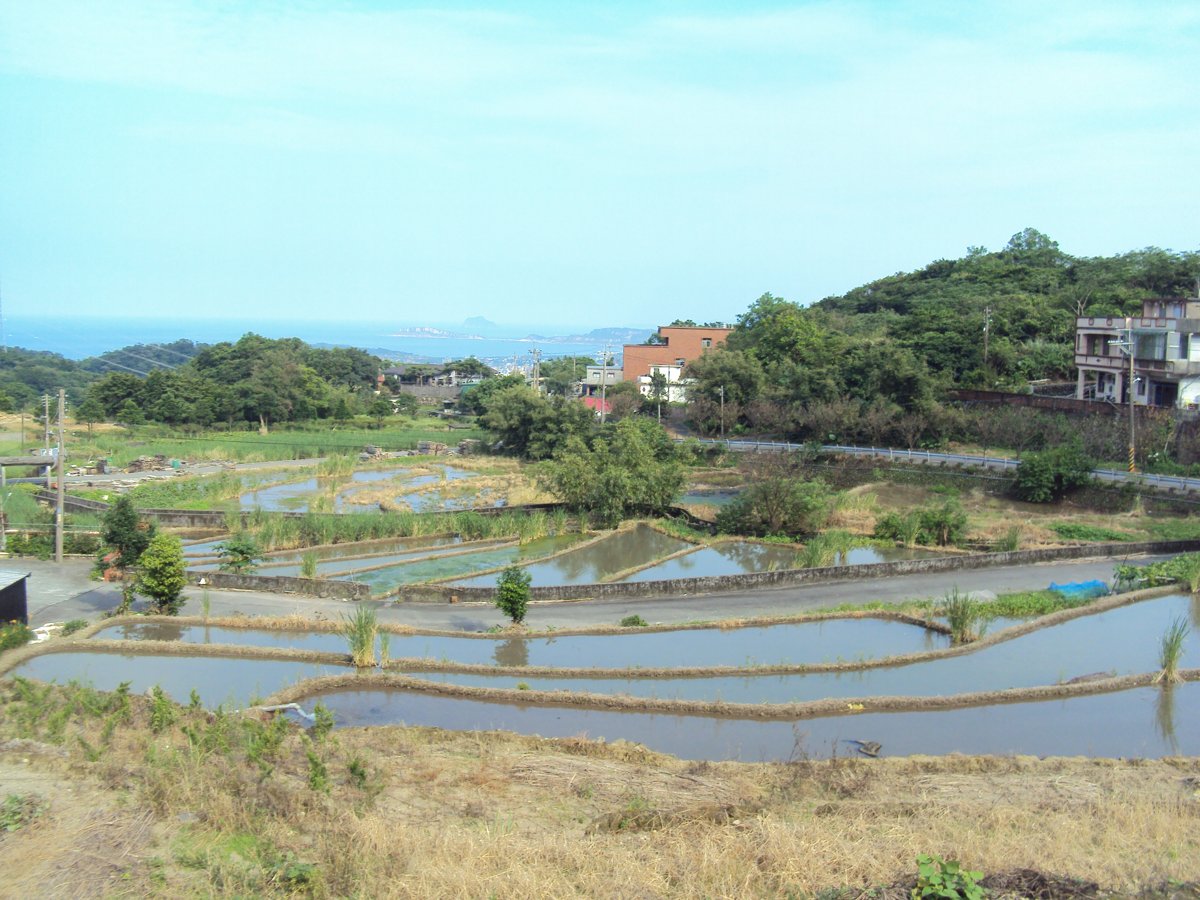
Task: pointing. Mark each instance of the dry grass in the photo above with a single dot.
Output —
(451, 814)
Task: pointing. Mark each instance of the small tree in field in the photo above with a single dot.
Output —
(512, 593)
(239, 554)
(124, 532)
(162, 573)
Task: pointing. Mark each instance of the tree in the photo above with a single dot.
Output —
(162, 573)
(632, 467)
(658, 391)
(512, 593)
(131, 414)
(787, 506)
(529, 425)
(1048, 476)
(380, 409)
(89, 412)
(240, 553)
(125, 533)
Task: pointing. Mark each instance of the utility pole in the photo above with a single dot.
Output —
(987, 330)
(58, 506)
(1132, 445)
(603, 383)
(722, 390)
(46, 433)
(537, 369)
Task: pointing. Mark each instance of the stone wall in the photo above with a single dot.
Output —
(789, 577)
(279, 584)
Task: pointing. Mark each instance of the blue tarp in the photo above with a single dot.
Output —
(1081, 590)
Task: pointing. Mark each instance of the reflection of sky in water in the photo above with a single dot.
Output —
(1122, 641)
(382, 580)
(600, 560)
(295, 496)
(1146, 722)
(800, 642)
(744, 557)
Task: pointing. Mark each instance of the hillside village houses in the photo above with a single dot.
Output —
(1165, 341)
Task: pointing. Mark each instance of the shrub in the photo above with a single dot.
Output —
(162, 573)
(633, 622)
(512, 593)
(790, 506)
(937, 877)
(124, 532)
(240, 554)
(1048, 476)
(14, 634)
(1172, 649)
(73, 626)
(937, 525)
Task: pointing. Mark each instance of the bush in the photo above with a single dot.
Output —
(633, 622)
(1049, 476)
(789, 506)
(14, 634)
(162, 573)
(942, 526)
(240, 554)
(73, 626)
(124, 532)
(512, 593)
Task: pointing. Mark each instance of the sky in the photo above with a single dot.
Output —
(570, 165)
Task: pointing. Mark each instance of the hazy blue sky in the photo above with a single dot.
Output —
(554, 163)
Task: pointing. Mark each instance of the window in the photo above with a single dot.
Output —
(706, 342)
(681, 362)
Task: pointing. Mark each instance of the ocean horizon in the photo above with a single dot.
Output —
(82, 337)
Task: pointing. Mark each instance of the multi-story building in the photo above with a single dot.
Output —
(677, 346)
(1165, 341)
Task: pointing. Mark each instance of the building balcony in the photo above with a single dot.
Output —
(1169, 368)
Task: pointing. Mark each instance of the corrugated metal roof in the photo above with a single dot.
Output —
(8, 579)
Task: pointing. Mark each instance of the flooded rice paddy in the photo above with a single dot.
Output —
(415, 491)
(1146, 722)
(792, 643)
(1137, 722)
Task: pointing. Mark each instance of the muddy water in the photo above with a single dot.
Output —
(384, 580)
(1146, 722)
(599, 561)
(1121, 642)
(793, 643)
(231, 682)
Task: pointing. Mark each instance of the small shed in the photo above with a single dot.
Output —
(13, 607)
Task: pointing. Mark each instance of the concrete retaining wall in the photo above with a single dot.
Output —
(788, 577)
(279, 584)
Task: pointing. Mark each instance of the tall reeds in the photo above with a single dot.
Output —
(1171, 650)
(359, 630)
(962, 616)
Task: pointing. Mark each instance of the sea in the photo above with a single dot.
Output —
(80, 337)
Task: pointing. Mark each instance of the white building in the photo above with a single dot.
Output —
(1165, 340)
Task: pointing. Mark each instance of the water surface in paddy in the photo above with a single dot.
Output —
(391, 577)
(598, 561)
(232, 682)
(1122, 641)
(801, 642)
(294, 496)
(745, 557)
(1146, 722)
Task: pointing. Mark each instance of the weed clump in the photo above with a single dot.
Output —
(962, 616)
(360, 630)
(1171, 650)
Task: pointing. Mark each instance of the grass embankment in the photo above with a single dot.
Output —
(134, 795)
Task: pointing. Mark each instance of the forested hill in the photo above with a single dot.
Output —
(991, 319)
(1030, 294)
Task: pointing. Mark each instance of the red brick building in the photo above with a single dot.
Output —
(679, 346)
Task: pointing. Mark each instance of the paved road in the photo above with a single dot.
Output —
(58, 593)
